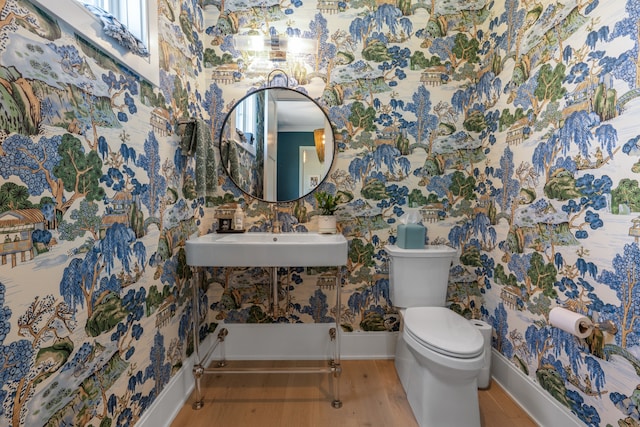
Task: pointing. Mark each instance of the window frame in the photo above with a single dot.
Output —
(245, 115)
(118, 8)
(88, 26)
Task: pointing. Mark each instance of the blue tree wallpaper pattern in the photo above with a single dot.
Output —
(506, 127)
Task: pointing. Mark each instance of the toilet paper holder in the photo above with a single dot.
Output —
(602, 325)
(589, 328)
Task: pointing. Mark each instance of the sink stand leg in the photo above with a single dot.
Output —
(274, 289)
(336, 370)
(334, 333)
(198, 369)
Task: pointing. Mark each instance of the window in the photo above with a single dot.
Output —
(132, 13)
(244, 122)
(140, 16)
(245, 115)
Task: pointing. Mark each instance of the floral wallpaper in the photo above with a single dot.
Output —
(506, 126)
(94, 292)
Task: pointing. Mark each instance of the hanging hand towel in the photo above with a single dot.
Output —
(197, 139)
(234, 165)
(188, 141)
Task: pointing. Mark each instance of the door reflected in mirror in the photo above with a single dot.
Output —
(277, 144)
(311, 169)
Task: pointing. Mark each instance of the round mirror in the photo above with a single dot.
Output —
(277, 144)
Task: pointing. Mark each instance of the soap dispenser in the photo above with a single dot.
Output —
(238, 219)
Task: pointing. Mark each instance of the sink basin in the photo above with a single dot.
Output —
(267, 250)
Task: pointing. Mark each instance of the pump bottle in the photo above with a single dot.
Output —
(238, 219)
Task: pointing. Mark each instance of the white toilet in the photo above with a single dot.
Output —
(439, 353)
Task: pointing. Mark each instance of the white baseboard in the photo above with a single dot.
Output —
(368, 345)
(544, 409)
(312, 341)
(175, 394)
(303, 342)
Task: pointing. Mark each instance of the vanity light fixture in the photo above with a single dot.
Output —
(319, 140)
(251, 43)
(275, 47)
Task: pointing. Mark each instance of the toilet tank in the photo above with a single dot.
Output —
(419, 277)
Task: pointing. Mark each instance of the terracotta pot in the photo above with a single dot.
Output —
(327, 224)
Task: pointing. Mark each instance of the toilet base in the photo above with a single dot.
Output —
(438, 395)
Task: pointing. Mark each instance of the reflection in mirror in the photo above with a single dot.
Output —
(277, 144)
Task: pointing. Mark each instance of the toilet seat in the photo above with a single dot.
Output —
(443, 331)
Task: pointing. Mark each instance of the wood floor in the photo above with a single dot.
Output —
(370, 390)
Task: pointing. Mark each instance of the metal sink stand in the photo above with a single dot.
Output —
(333, 367)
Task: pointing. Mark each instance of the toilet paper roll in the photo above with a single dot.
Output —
(574, 323)
(484, 377)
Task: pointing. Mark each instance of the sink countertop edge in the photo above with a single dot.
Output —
(338, 247)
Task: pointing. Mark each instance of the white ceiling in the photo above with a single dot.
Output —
(299, 116)
(297, 113)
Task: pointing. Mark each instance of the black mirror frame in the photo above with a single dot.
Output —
(224, 158)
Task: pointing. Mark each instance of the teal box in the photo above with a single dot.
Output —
(411, 236)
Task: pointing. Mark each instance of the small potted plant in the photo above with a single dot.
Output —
(327, 203)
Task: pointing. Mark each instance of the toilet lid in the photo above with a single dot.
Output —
(444, 331)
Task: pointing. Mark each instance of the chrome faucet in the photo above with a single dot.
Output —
(275, 222)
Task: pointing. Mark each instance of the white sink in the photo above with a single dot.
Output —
(267, 250)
